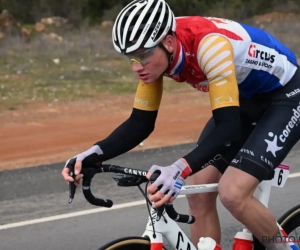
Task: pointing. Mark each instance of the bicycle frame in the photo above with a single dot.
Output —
(173, 233)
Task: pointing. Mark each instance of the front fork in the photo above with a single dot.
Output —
(275, 241)
(156, 241)
(292, 244)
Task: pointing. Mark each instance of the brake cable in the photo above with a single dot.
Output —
(149, 203)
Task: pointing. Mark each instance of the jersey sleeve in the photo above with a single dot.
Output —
(139, 125)
(216, 60)
(148, 96)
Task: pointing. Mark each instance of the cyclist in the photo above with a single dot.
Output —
(253, 82)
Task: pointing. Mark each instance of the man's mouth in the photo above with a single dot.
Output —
(143, 76)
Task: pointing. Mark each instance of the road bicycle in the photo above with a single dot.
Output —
(162, 222)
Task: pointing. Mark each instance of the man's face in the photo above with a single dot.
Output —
(149, 65)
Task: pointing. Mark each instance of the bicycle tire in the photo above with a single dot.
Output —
(128, 243)
(289, 221)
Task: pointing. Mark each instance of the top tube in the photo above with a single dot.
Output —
(264, 187)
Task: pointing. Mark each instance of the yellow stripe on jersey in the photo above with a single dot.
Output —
(148, 96)
(215, 58)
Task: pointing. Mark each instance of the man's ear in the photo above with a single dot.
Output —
(169, 43)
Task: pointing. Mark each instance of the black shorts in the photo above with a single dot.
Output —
(270, 129)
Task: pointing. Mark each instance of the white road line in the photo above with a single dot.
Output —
(90, 211)
(294, 175)
(70, 215)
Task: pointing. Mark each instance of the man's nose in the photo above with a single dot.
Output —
(136, 67)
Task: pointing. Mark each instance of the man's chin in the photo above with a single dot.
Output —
(148, 80)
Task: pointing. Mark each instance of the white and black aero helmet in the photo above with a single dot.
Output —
(142, 24)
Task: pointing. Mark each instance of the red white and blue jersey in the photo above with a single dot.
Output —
(229, 59)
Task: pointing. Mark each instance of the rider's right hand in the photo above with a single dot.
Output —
(87, 159)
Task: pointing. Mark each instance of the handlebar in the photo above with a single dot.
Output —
(128, 177)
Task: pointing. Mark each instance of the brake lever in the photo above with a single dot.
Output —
(72, 189)
(159, 212)
(72, 186)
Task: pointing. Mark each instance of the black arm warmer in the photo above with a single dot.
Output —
(227, 129)
(129, 134)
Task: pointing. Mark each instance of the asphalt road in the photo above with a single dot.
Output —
(34, 214)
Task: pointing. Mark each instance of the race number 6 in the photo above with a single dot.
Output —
(281, 175)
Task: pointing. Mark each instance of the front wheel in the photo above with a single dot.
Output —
(128, 243)
(290, 221)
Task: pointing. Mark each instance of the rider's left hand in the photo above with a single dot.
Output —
(168, 185)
